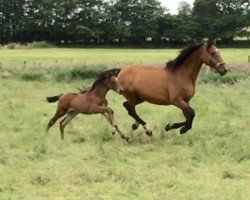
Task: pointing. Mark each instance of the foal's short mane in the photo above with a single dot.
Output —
(184, 54)
(102, 76)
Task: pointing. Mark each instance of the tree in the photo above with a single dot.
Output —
(223, 18)
(136, 20)
(11, 19)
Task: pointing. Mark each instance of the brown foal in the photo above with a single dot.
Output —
(88, 102)
(171, 85)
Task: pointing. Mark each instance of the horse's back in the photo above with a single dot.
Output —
(66, 99)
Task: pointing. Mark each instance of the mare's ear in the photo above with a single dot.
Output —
(211, 43)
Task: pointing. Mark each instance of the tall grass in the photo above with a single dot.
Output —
(68, 57)
(210, 162)
(86, 72)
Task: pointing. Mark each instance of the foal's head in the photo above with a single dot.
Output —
(212, 57)
(113, 84)
(108, 80)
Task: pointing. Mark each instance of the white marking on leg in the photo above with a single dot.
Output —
(147, 128)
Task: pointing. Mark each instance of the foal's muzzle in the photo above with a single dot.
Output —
(120, 91)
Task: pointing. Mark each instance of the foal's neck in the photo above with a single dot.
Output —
(100, 91)
(193, 64)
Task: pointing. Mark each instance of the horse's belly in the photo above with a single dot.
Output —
(154, 95)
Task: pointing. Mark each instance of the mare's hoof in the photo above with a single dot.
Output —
(134, 126)
(183, 130)
(149, 133)
(168, 127)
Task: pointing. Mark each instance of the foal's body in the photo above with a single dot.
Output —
(87, 102)
(173, 84)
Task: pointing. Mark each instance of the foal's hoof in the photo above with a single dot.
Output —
(183, 130)
(134, 126)
(149, 133)
(168, 127)
(126, 138)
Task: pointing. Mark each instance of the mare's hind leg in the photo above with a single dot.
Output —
(59, 113)
(130, 106)
(70, 115)
(189, 115)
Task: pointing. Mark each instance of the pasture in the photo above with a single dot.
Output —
(212, 161)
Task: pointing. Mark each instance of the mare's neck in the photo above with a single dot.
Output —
(192, 65)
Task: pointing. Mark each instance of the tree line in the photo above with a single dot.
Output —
(121, 22)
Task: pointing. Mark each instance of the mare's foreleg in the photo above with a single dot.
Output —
(70, 115)
(138, 120)
(189, 114)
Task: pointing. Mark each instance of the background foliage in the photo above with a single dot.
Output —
(121, 22)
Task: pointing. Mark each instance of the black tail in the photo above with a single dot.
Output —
(54, 98)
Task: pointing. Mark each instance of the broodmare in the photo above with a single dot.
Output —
(172, 85)
(88, 102)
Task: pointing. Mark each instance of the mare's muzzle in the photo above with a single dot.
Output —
(221, 68)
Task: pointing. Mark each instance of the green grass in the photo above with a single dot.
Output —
(111, 57)
(212, 161)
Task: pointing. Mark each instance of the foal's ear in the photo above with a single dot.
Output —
(109, 75)
(211, 42)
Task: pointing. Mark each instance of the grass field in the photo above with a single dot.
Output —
(212, 161)
(113, 57)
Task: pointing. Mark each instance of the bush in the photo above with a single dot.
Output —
(32, 76)
(229, 78)
(42, 44)
(12, 45)
(86, 72)
(78, 73)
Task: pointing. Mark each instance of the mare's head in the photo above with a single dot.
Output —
(211, 57)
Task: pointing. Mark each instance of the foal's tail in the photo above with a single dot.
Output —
(54, 98)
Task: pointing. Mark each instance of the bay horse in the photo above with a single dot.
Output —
(173, 84)
(88, 102)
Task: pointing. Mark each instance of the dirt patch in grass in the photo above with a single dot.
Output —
(239, 67)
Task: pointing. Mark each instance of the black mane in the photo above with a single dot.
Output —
(102, 76)
(184, 54)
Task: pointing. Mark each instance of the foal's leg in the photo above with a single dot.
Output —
(189, 115)
(130, 106)
(106, 115)
(109, 115)
(59, 113)
(113, 123)
(70, 115)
